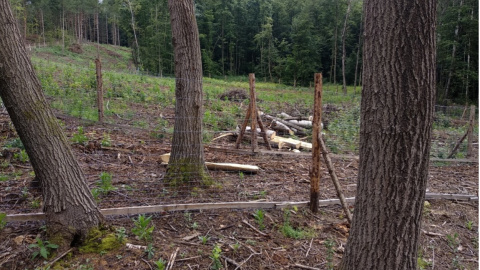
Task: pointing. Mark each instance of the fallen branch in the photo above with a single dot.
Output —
(232, 262)
(132, 246)
(147, 263)
(188, 259)
(255, 229)
(310, 247)
(171, 261)
(333, 175)
(306, 267)
(431, 233)
(58, 258)
(457, 145)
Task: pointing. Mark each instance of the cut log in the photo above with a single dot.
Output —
(283, 115)
(232, 167)
(302, 123)
(272, 142)
(292, 143)
(278, 126)
(248, 130)
(299, 130)
(221, 166)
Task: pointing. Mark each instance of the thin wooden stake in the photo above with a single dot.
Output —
(253, 116)
(457, 145)
(263, 131)
(254, 112)
(470, 132)
(243, 128)
(315, 170)
(336, 183)
(98, 68)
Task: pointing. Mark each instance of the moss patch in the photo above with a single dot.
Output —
(185, 173)
(100, 240)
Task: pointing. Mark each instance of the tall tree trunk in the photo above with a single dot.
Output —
(335, 49)
(187, 164)
(63, 29)
(344, 36)
(68, 204)
(114, 32)
(359, 45)
(136, 48)
(106, 28)
(396, 119)
(43, 27)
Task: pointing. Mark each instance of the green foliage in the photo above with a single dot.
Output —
(215, 256)
(142, 229)
(195, 225)
(259, 217)
(421, 262)
(15, 143)
(469, 225)
(105, 183)
(121, 234)
(106, 141)
(161, 264)
(150, 251)
(343, 131)
(42, 248)
(79, 137)
(330, 244)
(289, 231)
(235, 247)
(35, 203)
(453, 241)
(96, 194)
(3, 220)
(204, 239)
(21, 156)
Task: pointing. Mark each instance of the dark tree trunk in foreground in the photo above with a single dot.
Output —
(397, 109)
(186, 165)
(68, 204)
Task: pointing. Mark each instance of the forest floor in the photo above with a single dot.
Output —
(292, 238)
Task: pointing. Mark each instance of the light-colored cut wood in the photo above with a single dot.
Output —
(296, 144)
(220, 166)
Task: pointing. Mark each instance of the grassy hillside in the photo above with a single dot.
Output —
(68, 78)
(148, 102)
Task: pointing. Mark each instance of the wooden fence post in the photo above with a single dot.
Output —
(470, 131)
(253, 110)
(315, 170)
(98, 68)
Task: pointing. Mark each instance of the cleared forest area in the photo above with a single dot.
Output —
(121, 159)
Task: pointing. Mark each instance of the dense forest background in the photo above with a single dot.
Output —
(280, 40)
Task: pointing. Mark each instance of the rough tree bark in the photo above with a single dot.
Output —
(68, 204)
(397, 110)
(187, 164)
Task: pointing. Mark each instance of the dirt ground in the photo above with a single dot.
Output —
(449, 236)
